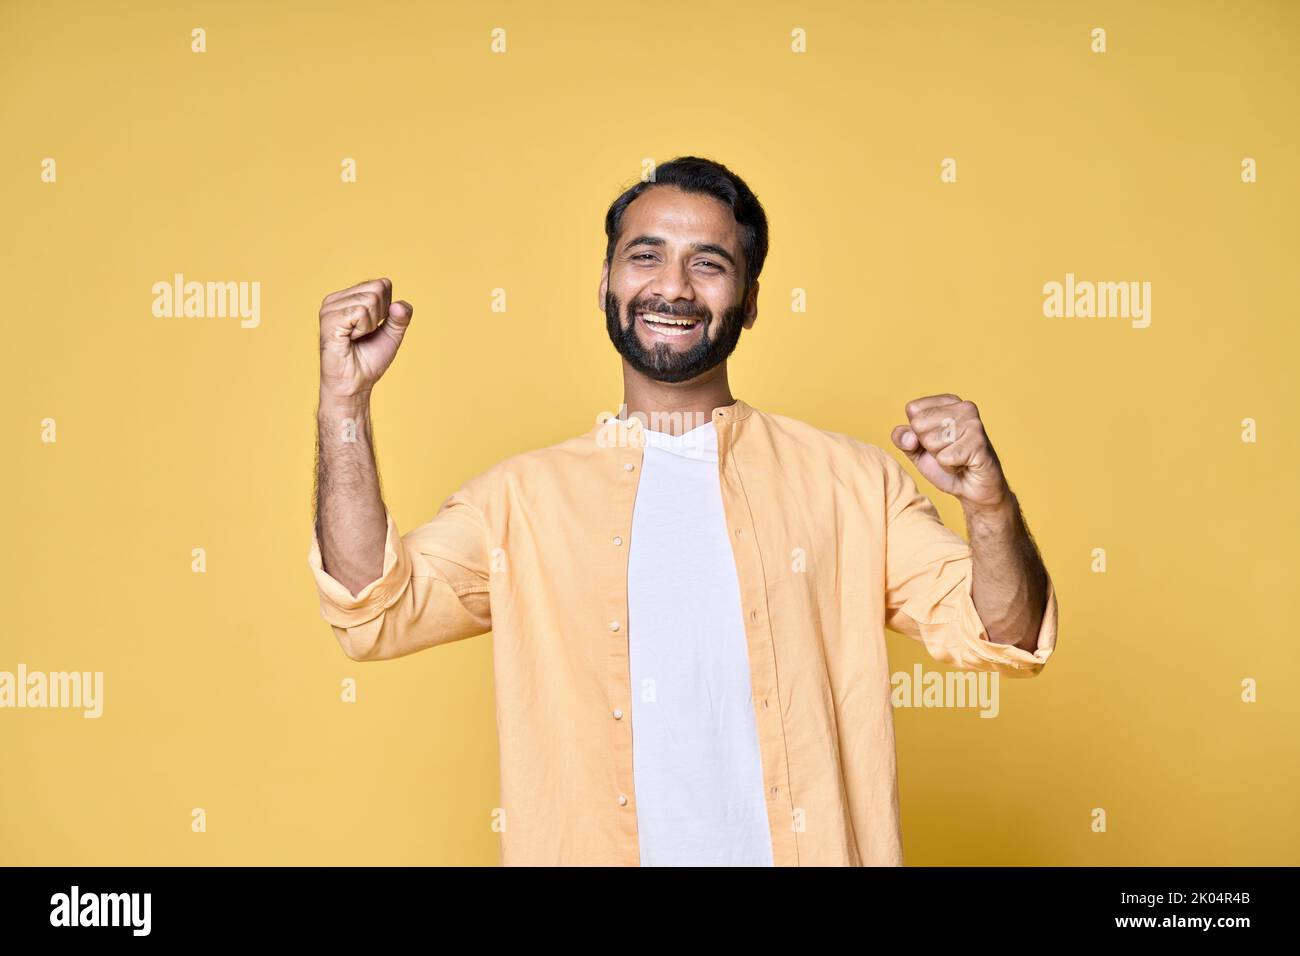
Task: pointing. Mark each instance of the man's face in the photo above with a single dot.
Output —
(673, 293)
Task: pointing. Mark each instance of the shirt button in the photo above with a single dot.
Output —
(740, 532)
(753, 615)
(613, 625)
(774, 790)
(618, 714)
(622, 800)
(617, 541)
(765, 703)
(629, 466)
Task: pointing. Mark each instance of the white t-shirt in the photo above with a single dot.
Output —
(696, 764)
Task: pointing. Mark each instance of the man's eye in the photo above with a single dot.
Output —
(651, 255)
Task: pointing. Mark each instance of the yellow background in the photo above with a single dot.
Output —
(480, 171)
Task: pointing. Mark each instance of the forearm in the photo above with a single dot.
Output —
(1009, 585)
(350, 516)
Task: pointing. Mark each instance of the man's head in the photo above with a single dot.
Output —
(687, 247)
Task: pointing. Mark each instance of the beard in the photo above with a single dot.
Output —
(662, 362)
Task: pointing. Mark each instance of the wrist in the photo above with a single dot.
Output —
(343, 406)
(997, 514)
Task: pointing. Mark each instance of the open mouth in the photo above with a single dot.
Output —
(669, 325)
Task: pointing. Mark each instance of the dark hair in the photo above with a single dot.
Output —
(695, 175)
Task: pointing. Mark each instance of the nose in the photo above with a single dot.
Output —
(671, 283)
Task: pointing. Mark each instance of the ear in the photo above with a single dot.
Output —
(751, 307)
(604, 285)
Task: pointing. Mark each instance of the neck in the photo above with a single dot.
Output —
(675, 407)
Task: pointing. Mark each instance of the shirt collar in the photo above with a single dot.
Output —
(737, 411)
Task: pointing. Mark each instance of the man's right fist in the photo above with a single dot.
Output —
(355, 349)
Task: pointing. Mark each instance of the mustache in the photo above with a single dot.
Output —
(636, 307)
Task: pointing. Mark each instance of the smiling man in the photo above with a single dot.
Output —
(688, 601)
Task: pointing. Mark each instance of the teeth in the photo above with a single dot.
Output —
(686, 324)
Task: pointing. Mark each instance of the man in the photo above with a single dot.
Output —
(688, 601)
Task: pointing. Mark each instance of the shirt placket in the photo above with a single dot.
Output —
(623, 460)
(760, 642)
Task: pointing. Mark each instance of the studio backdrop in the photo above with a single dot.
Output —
(1080, 216)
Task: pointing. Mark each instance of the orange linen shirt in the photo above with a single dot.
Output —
(832, 542)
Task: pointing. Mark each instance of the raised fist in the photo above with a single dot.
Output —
(360, 331)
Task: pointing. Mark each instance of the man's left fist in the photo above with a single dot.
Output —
(953, 451)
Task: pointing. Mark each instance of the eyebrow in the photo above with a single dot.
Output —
(695, 247)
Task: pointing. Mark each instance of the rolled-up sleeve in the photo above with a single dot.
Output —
(929, 574)
(434, 588)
